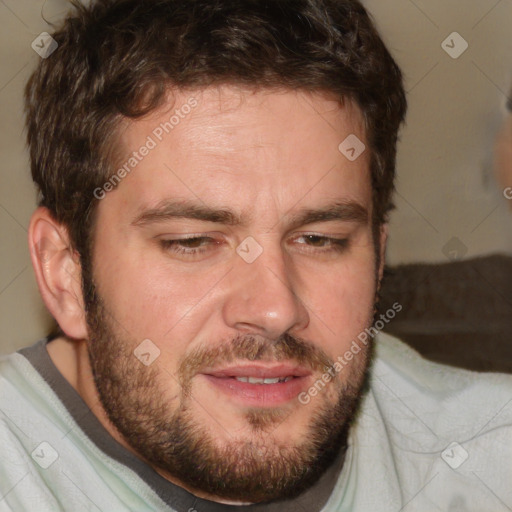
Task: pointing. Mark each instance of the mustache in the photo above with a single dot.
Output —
(254, 348)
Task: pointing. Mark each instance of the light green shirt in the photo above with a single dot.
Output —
(427, 437)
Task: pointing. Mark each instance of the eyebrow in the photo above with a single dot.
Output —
(346, 211)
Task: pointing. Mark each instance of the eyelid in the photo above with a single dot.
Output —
(330, 244)
(185, 236)
(323, 234)
(328, 236)
(212, 236)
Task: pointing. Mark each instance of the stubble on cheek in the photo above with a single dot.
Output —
(170, 429)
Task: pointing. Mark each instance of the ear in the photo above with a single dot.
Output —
(58, 272)
(383, 237)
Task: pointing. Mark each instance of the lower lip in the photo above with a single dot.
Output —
(259, 395)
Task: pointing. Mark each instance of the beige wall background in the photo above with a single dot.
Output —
(448, 204)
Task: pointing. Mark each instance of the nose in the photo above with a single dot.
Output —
(262, 298)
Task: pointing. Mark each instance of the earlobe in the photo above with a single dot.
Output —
(58, 273)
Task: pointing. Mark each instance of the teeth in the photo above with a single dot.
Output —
(258, 380)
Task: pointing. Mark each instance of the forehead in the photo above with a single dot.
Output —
(230, 145)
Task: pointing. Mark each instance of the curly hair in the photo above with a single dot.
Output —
(117, 59)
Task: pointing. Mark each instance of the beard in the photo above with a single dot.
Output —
(165, 431)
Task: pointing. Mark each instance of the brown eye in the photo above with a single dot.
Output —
(325, 243)
(316, 241)
(188, 246)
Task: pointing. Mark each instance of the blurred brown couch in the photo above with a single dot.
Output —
(458, 313)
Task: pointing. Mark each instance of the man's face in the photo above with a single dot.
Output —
(278, 280)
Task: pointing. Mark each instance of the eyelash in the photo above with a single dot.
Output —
(338, 245)
(173, 245)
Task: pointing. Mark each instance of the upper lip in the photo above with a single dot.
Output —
(259, 370)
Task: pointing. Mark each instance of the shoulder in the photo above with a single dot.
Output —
(429, 405)
(444, 430)
(21, 485)
(400, 363)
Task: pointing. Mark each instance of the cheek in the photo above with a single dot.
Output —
(342, 301)
(348, 304)
(148, 298)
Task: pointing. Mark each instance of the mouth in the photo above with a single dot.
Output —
(259, 385)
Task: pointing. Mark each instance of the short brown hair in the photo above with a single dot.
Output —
(117, 59)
